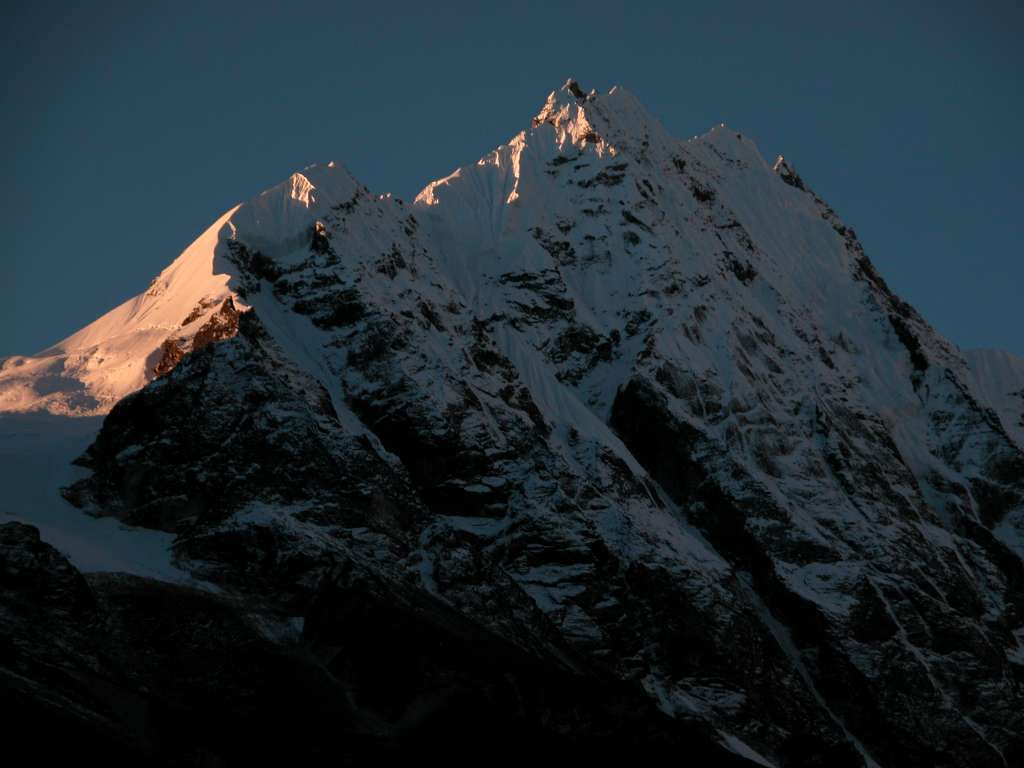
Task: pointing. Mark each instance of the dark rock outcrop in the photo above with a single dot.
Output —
(222, 324)
(138, 671)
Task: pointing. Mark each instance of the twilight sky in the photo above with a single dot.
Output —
(126, 130)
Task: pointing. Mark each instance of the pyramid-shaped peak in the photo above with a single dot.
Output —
(330, 180)
(573, 104)
(290, 207)
(560, 101)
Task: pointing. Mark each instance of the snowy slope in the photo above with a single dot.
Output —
(36, 451)
(998, 377)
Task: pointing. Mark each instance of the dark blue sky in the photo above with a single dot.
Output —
(127, 130)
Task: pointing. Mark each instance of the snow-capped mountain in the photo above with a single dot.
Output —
(636, 407)
(86, 373)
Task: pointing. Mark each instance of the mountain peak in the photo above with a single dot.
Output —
(287, 210)
(560, 101)
(318, 181)
(626, 401)
(605, 120)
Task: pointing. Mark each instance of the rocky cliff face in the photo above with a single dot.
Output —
(134, 670)
(635, 411)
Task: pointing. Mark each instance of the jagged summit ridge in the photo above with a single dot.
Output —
(568, 96)
(88, 372)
